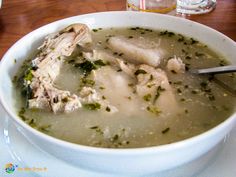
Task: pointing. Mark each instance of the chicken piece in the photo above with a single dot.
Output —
(89, 95)
(115, 61)
(176, 65)
(48, 63)
(153, 86)
(137, 50)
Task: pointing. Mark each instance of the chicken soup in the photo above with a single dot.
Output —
(122, 87)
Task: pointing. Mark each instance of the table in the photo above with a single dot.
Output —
(19, 17)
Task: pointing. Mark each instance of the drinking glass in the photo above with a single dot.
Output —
(195, 6)
(158, 6)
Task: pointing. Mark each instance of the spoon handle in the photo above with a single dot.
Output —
(215, 70)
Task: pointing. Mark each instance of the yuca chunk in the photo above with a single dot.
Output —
(137, 50)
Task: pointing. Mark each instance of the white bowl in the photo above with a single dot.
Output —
(136, 161)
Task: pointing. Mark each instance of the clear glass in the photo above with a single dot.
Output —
(158, 6)
(195, 6)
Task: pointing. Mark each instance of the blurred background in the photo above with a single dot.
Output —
(19, 17)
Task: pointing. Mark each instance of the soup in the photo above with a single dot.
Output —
(122, 88)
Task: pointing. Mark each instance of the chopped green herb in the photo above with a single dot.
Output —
(99, 63)
(194, 91)
(179, 90)
(95, 30)
(86, 82)
(130, 37)
(147, 97)
(65, 100)
(28, 76)
(188, 57)
(178, 82)
(130, 84)
(32, 122)
(151, 77)
(71, 61)
(149, 30)
(27, 92)
(150, 85)
(127, 142)
(181, 38)
(92, 106)
(108, 109)
(129, 97)
(169, 34)
(193, 41)
(211, 97)
(163, 33)
(165, 130)
(114, 138)
(44, 128)
(184, 51)
(101, 88)
(198, 54)
(94, 127)
(97, 129)
(134, 29)
(186, 67)
(14, 80)
(158, 93)
(103, 97)
(21, 114)
(153, 110)
(88, 66)
(222, 63)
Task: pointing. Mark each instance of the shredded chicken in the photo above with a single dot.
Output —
(138, 62)
(48, 63)
(146, 84)
(176, 64)
(119, 62)
(154, 82)
(89, 95)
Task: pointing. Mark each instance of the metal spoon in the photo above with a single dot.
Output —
(214, 70)
(218, 70)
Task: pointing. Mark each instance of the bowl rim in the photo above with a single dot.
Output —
(131, 151)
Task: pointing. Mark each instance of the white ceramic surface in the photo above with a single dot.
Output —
(16, 149)
(123, 161)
